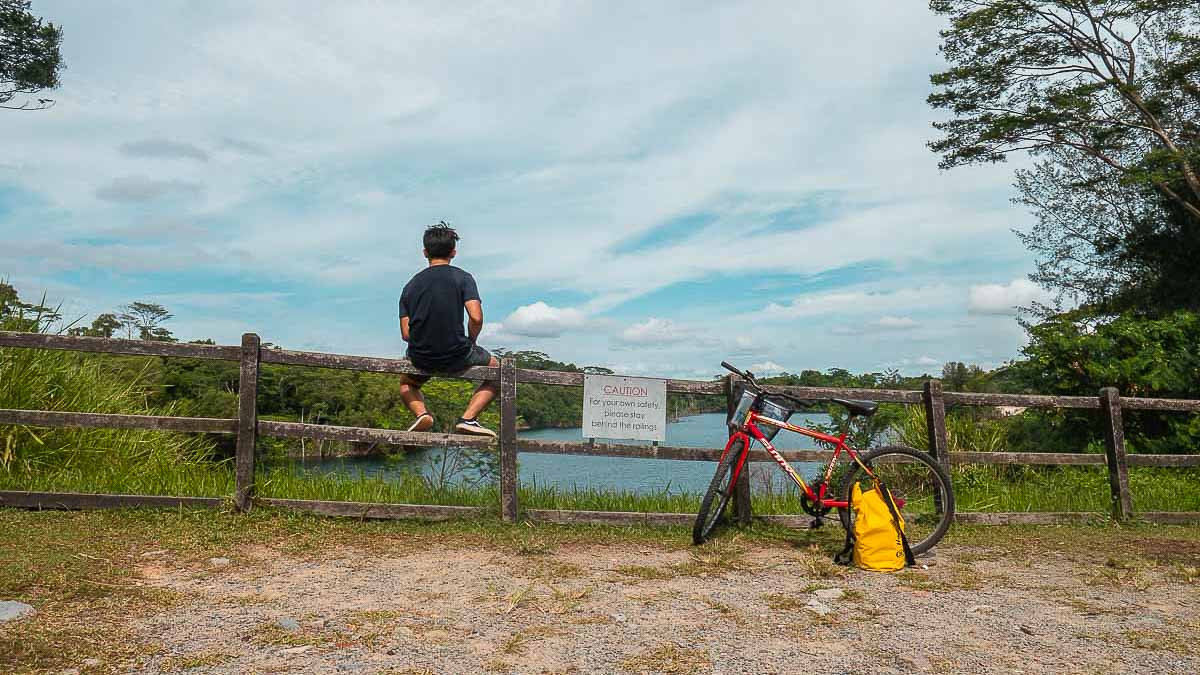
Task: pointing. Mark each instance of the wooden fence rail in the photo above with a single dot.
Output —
(250, 356)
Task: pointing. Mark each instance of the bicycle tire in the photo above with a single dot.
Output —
(929, 537)
(703, 528)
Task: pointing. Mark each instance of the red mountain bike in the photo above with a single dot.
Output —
(920, 486)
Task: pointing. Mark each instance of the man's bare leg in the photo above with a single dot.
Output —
(483, 395)
(410, 393)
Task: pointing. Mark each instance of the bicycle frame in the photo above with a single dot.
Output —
(749, 429)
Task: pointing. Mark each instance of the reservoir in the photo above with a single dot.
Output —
(566, 472)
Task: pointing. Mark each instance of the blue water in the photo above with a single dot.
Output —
(641, 476)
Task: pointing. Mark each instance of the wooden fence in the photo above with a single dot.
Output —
(248, 427)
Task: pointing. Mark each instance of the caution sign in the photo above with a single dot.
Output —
(624, 407)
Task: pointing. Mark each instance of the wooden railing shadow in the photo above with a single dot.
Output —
(247, 427)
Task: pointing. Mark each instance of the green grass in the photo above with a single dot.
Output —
(977, 488)
(1075, 488)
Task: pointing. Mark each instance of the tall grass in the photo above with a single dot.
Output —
(141, 461)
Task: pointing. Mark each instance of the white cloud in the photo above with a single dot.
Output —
(1005, 299)
(654, 331)
(884, 324)
(864, 300)
(926, 361)
(766, 368)
(542, 320)
(896, 323)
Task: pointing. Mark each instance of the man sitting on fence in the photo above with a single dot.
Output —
(431, 322)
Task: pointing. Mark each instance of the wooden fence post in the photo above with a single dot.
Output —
(1114, 442)
(741, 491)
(935, 426)
(508, 441)
(247, 422)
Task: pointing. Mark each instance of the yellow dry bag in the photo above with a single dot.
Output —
(877, 539)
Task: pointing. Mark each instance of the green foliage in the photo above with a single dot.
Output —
(30, 59)
(150, 461)
(967, 429)
(1107, 96)
(1140, 356)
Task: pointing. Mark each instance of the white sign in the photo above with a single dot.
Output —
(624, 407)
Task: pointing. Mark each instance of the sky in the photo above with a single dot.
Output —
(650, 187)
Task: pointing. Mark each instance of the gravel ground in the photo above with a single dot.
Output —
(730, 607)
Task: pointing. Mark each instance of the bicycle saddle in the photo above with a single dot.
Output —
(866, 408)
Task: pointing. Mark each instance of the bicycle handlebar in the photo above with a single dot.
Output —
(749, 377)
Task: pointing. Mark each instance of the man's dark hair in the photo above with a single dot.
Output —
(440, 240)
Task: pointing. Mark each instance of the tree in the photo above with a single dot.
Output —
(1104, 244)
(1154, 358)
(17, 315)
(145, 317)
(1116, 81)
(30, 60)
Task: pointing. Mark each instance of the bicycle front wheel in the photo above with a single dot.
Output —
(920, 486)
(720, 490)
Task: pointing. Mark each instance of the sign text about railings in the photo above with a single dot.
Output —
(624, 407)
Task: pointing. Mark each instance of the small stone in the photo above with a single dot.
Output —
(155, 554)
(69, 671)
(1028, 630)
(405, 630)
(619, 618)
(91, 663)
(817, 607)
(288, 624)
(11, 610)
(437, 634)
(829, 594)
(219, 562)
(980, 609)
(295, 650)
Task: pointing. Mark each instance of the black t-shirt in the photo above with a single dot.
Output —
(433, 302)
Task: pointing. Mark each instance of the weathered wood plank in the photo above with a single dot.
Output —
(1164, 404)
(935, 427)
(1032, 458)
(658, 452)
(58, 419)
(1178, 461)
(247, 439)
(118, 346)
(559, 378)
(1028, 518)
(1114, 450)
(73, 501)
(1019, 400)
(826, 393)
(366, 435)
(508, 441)
(369, 511)
(368, 364)
(1169, 517)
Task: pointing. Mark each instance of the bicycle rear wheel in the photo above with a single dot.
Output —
(920, 486)
(720, 490)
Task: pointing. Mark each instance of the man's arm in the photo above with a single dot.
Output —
(474, 319)
(404, 328)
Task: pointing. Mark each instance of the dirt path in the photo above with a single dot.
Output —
(732, 607)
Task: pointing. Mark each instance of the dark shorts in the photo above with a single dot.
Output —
(478, 356)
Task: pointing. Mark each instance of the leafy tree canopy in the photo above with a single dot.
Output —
(30, 60)
(1116, 81)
